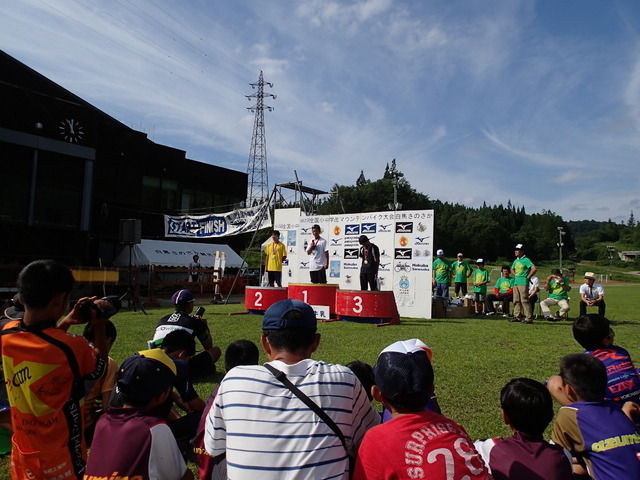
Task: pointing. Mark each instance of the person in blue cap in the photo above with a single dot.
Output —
(267, 431)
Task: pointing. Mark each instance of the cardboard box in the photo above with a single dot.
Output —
(457, 312)
(438, 308)
(468, 302)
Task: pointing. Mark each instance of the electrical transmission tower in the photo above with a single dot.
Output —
(258, 188)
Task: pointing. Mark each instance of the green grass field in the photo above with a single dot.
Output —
(473, 357)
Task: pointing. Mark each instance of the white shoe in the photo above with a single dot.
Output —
(491, 313)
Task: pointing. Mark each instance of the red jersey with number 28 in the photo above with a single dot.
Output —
(419, 445)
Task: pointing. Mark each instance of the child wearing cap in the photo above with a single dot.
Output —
(416, 443)
(204, 362)
(132, 441)
(527, 408)
(480, 277)
(594, 333)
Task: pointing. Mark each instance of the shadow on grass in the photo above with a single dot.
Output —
(429, 321)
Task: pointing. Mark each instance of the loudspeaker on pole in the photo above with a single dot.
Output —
(130, 231)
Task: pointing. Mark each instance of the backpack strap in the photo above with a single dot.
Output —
(282, 377)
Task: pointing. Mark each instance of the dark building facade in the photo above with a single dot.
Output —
(70, 172)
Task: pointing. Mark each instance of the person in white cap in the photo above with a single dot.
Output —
(591, 295)
(441, 274)
(523, 270)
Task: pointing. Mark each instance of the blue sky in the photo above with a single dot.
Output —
(537, 102)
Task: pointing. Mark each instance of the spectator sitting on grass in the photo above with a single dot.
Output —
(183, 300)
(180, 346)
(240, 352)
(48, 368)
(132, 441)
(527, 408)
(597, 432)
(416, 443)
(410, 346)
(594, 333)
(268, 433)
(97, 400)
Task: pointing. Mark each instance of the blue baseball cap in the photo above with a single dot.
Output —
(182, 297)
(274, 317)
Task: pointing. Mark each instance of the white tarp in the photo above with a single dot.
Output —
(175, 254)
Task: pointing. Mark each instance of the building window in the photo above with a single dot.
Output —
(59, 185)
(15, 164)
(151, 192)
(169, 194)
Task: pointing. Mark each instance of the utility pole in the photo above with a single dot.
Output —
(258, 187)
(610, 251)
(561, 233)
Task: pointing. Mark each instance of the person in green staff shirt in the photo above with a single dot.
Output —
(523, 270)
(461, 271)
(441, 274)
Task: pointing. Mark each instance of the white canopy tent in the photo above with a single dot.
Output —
(175, 254)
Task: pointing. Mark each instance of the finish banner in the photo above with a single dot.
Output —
(218, 224)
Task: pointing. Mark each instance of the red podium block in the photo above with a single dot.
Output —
(258, 299)
(315, 294)
(367, 307)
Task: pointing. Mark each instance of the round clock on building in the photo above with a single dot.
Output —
(71, 130)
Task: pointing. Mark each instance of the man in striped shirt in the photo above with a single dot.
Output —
(269, 433)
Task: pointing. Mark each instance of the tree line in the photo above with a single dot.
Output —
(490, 231)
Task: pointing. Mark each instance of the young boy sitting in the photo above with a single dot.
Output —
(416, 443)
(593, 332)
(527, 408)
(239, 352)
(597, 432)
(132, 441)
(97, 399)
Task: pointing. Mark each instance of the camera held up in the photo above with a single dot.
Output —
(107, 308)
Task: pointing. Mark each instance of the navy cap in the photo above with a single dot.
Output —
(405, 379)
(182, 297)
(146, 374)
(274, 317)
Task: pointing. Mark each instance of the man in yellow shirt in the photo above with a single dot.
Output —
(275, 253)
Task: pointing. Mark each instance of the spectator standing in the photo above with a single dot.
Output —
(523, 270)
(558, 287)
(275, 254)
(481, 277)
(194, 269)
(591, 294)
(318, 256)
(265, 430)
(461, 271)
(441, 274)
(370, 255)
(36, 354)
